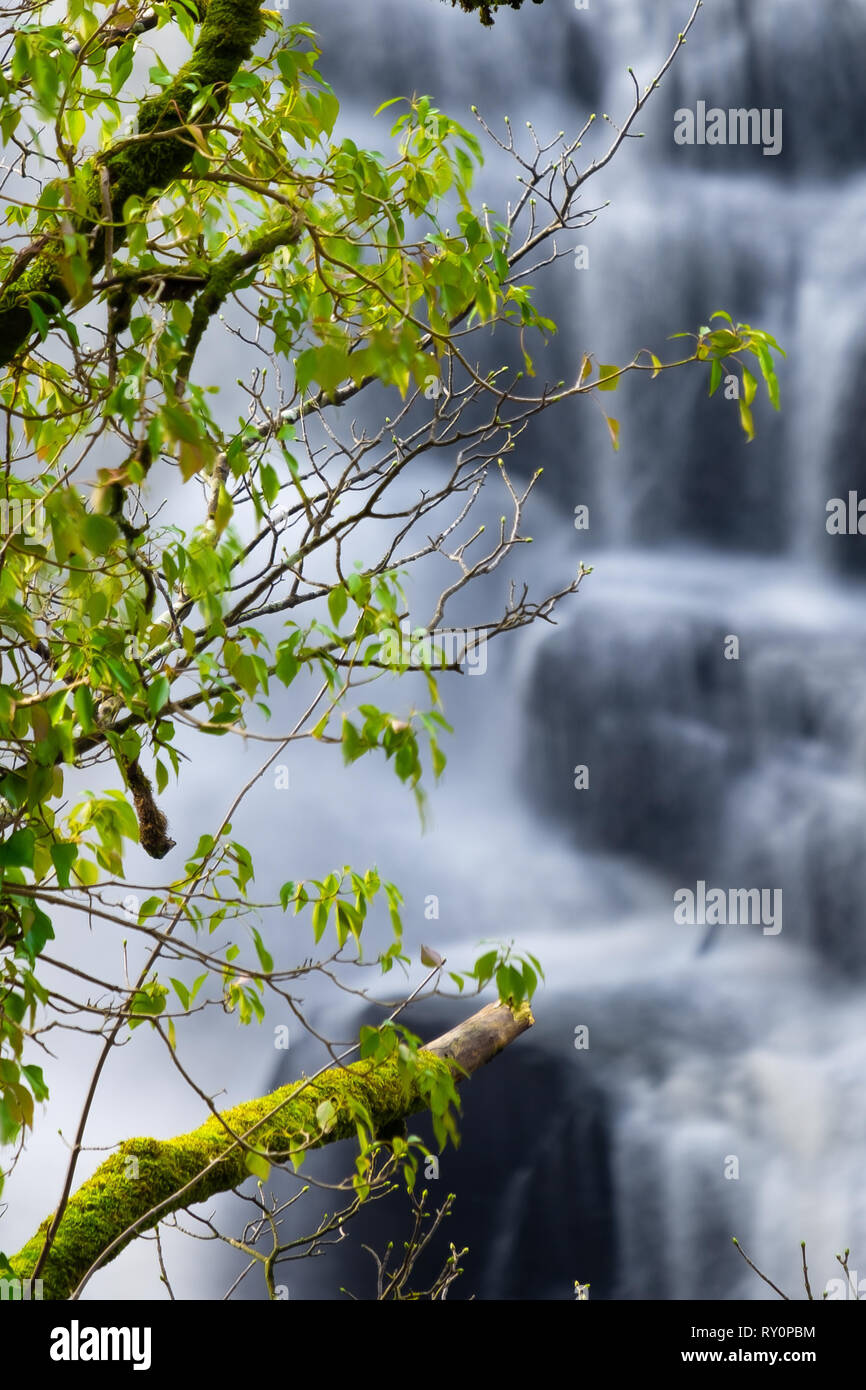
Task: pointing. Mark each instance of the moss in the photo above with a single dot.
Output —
(484, 8)
(225, 273)
(228, 33)
(145, 1173)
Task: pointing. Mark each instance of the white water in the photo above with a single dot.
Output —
(743, 774)
(739, 773)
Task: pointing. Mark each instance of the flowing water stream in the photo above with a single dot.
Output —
(722, 1089)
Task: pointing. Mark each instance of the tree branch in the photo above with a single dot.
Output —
(146, 1179)
(486, 8)
(139, 169)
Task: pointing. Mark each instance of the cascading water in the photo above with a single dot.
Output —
(612, 1164)
(721, 1091)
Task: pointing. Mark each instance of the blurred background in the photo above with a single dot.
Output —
(611, 1164)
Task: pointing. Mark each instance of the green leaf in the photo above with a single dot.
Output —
(287, 666)
(204, 846)
(485, 966)
(270, 483)
(609, 376)
(17, 852)
(63, 857)
(715, 376)
(121, 66)
(124, 677)
(223, 511)
(762, 352)
(76, 124)
(326, 1116)
(722, 343)
(613, 429)
(347, 922)
(158, 693)
(258, 1165)
(181, 424)
(385, 104)
(536, 963)
(40, 320)
(148, 1002)
(36, 1081)
(746, 420)
(320, 920)
(320, 728)
(530, 979)
(181, 991)
(98, 533)
(84, 711)
(86, 872)
(338, 602)
(750, 386)
(509, 983)
(354, 746)
(39, 932)
(266, 960)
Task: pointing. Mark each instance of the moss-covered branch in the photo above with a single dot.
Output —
(141, 168)
(223, 276)
(146, 1179)
(485, 8)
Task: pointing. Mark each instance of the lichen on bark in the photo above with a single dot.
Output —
(146, 1179)
(142, 168)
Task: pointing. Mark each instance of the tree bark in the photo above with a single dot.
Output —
(142, 169)
(146, 1179)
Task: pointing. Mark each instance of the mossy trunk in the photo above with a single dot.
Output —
(147, 1179)
(228, 32)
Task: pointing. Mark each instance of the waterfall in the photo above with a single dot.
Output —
(720, 1092)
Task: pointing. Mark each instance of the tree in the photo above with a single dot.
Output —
(223, 201)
